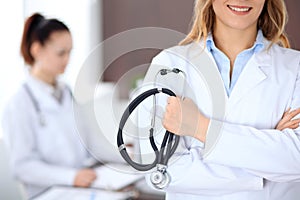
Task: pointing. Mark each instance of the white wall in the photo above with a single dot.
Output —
(11, 73)
(11, 67)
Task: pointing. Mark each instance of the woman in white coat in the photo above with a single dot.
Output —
(38, 122)
(247, 153)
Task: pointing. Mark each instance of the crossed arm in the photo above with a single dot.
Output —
(183, 118)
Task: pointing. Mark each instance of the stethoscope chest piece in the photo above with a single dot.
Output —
(160, 178)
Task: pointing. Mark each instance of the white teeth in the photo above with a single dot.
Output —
(239, 9)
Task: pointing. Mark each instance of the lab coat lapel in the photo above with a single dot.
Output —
(207, 83)
(253, 74)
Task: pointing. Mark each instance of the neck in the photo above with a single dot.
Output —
(35, 72)
(232, 41)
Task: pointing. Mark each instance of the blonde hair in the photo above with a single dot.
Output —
(272, 21)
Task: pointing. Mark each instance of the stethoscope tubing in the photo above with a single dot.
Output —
(167, 148)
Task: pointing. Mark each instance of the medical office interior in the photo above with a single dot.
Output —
(93, 23)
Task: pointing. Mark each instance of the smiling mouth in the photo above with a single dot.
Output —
(239, 8)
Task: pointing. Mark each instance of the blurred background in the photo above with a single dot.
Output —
(91, 22)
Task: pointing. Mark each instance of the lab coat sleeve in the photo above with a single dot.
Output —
(271, 154)
(189, 174)
(27, 166)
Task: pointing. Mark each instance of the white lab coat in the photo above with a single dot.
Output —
(247, 158)
(42, 156)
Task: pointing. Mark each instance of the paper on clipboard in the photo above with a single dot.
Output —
(115, 177)
(63, 193)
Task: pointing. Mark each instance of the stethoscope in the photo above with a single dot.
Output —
(159, 178)
(36, 105)
(42, 119)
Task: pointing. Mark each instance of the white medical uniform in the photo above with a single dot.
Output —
(47, 155)
(244, 157)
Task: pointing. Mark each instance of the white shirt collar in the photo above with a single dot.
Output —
(56, 92)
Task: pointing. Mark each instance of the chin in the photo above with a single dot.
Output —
(242, 26)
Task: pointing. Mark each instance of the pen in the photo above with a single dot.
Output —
(93, 195)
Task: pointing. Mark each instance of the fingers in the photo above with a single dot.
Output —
(287, 112)
(289, 124)
(172, 115)
(85, 178)
(294, 112)
(288, 115)
(173, 105)
(91, 175)
(173, 100)
(292, 124)
(181, 116)
(295, 122)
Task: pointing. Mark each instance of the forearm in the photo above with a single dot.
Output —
(202, 128)
(271, 154)
(36, 172)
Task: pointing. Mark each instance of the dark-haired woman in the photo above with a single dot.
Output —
(38, 122)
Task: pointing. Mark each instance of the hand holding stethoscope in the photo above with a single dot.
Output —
(182, 117)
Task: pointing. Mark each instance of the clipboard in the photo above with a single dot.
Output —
(61, 192)
(115, 176)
